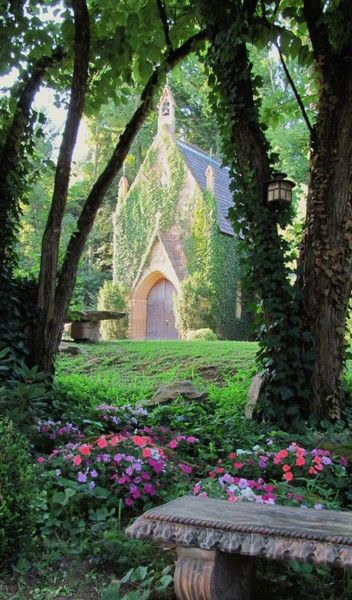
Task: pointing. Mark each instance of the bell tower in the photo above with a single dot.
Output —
(166, 108)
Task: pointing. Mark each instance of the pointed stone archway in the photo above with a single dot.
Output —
(151, 313)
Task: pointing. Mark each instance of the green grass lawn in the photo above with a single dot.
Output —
(130, 371)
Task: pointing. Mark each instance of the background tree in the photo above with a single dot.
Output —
(135, 44)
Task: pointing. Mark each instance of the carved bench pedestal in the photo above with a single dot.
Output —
(212, 575)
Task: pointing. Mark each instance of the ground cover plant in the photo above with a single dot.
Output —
(99, 462)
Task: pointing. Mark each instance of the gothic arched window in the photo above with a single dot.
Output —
(166, 108)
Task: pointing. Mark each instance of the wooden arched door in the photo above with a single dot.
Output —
(160, 314)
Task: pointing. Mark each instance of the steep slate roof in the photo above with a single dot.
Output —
(197, 162)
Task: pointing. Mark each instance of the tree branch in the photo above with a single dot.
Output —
(163, 18)
(94, 200)
(51, 237)
(287, 73)
(294, 89)
(249, 7)
(318, 31)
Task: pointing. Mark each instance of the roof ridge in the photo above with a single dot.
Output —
(213, 158)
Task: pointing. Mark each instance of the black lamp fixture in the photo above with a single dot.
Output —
(280, 189)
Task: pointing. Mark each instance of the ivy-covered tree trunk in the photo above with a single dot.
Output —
(283, 349)
(327, 251)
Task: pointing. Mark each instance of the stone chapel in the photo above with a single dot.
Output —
(174, 245)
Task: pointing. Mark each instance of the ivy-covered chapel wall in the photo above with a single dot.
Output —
(215, 274)
(136, 215)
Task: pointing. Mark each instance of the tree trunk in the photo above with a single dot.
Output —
(44, 334)
(327, 258)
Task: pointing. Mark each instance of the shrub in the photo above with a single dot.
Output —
(207, 335)
(25, 395)
(194, 304)
(113, 296)
(17, 494)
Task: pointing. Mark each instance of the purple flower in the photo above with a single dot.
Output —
(318, 506)
(326, 460)
(94, 473)
(149, 489)
(91, 485)
(243, 483)
(81, 477)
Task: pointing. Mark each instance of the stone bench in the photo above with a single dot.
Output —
(85, 326)
(217, 541)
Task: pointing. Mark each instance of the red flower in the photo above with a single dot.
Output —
(141, 440)
(232, 455)
(300, 461)
(288, 476)
(280, 456)
(286, 468)
(220, 469)
(146, 452)
(238, 465)
(101, 442)
(212, 474)
(84, 449)
(312, 471)
(77, 460)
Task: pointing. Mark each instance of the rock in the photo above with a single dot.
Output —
(254, 391)
(73, 350)
(170, 392)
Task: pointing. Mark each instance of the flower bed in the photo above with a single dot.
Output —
(133, 465)
(138, 465)
(292, 476)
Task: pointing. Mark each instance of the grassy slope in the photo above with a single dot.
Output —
(128, 371)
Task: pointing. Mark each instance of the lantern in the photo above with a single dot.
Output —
(280, 189)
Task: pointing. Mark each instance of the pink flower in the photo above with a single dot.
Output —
(186, 468)
(129, 502)
(286, 468)
(173, 444)
(40, 459)
(312, 471)
(77, 460)
(300, 461)
(288, 476)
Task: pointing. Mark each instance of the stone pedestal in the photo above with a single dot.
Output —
(212, 575)
(85, 331)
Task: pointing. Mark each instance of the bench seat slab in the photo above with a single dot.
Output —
(273, 532)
